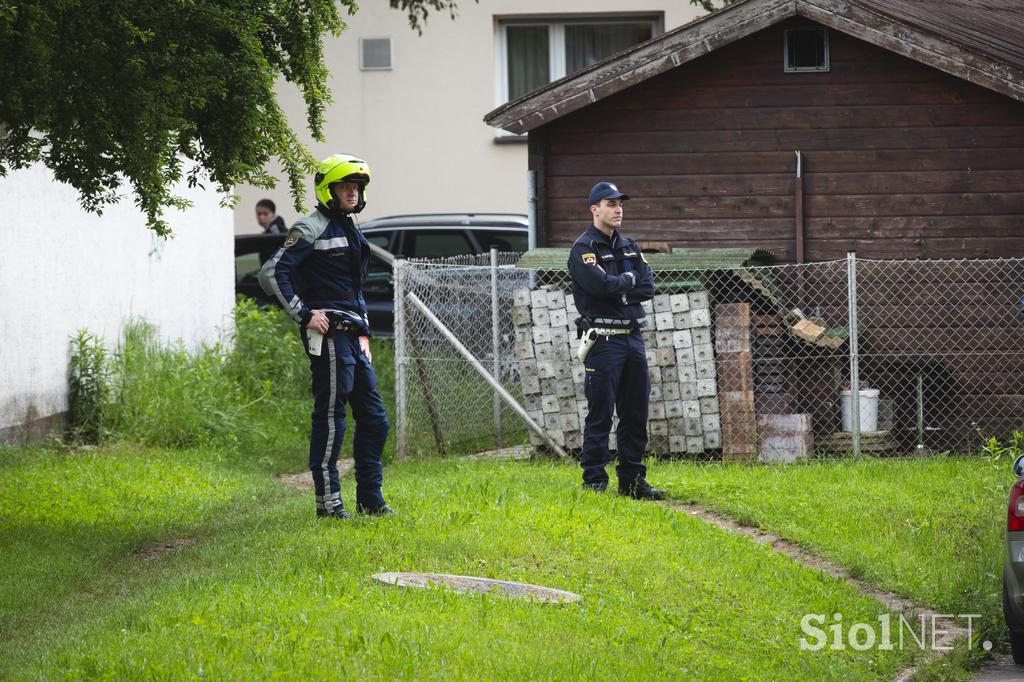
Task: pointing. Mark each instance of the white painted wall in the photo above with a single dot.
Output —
(420, 125)
(62, 269)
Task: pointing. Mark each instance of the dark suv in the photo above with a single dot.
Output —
(433, 235)
(251, 252)
(429, 235)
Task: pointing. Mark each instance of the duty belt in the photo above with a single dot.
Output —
(614, 323)
(610, 331)
(346, 326)
(342, 324)
(589, 338)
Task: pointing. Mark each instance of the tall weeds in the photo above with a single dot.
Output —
(247, 391)
(169, 396)
(247, 396)
(89, 387)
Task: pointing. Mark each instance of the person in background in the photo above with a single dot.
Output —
(266, 216)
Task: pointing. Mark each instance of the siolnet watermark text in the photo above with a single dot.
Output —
(886, 633)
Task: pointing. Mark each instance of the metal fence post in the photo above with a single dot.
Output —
(851, 279)
(496, 345)
(401, 334)
(531, 209)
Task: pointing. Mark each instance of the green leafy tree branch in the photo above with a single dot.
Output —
(712, 5)
(134, 96)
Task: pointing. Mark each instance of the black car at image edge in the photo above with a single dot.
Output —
(428, 235)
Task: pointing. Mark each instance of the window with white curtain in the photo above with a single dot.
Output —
(533, 52)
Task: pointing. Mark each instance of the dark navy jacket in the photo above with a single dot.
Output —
(603, 291)
(322, 265)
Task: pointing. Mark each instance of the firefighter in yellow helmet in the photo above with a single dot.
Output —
(317, 277)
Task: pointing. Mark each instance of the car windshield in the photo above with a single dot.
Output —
(505, 241)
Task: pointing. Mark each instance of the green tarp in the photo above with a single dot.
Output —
(680, 259)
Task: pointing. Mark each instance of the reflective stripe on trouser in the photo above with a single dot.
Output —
(616, 381)
(342, 375)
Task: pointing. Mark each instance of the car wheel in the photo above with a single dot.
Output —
(1017, 647)
(1016, 636)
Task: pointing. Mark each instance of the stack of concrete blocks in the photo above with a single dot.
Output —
(784, 437)
(736, 380)
(683, 413)
(550, 374)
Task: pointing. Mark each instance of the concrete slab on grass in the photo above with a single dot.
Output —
(465, 583)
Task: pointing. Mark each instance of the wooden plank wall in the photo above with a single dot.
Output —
(900, 160)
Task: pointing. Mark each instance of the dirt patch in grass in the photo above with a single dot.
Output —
(162, 549)
(302, 481)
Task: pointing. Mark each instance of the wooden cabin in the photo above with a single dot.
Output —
(892, 128)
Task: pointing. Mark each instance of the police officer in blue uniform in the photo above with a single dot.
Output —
(610, 279)
(317, 276)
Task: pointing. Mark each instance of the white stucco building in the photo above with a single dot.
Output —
(413, 105)
(62, 269)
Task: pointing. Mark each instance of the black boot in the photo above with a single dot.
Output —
(382, 510)
(336, 513)
(640, 489)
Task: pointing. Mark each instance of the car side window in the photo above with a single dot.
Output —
(378, 272)
(436, 243)
(246, 265)
(378, 276)
(381, 239)
(505, 241)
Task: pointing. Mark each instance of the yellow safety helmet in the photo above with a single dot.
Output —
(341, 168)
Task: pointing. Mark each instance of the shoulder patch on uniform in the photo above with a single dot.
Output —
(590, 258)
(293, 237)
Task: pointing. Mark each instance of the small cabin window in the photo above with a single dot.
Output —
(806, 49)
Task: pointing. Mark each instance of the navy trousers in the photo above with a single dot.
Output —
(616, 381)
(342, 375)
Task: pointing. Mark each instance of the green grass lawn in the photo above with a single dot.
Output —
(930, 529)
(68, 520)
(268, 589)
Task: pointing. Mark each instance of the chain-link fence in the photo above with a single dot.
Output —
(748, 363)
